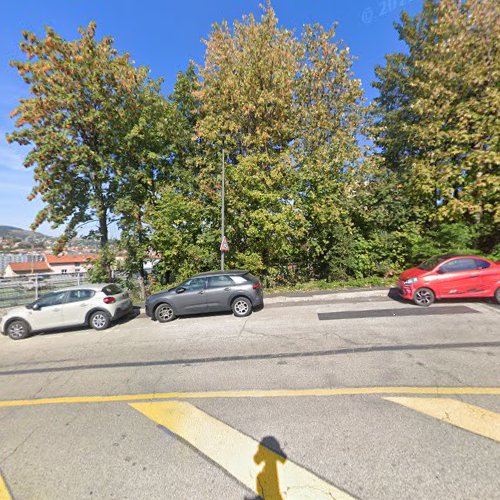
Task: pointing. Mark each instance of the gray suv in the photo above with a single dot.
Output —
(215, 291)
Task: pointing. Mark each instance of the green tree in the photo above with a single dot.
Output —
(330, 112)
(150, 157)
(79, 120)
(287, 111)
(437, 115)
(178, 217)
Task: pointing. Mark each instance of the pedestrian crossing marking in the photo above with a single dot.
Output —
(261, 467)
(472, 418)
(4, 490)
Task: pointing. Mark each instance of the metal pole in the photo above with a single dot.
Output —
(32, 253)
(222, 214)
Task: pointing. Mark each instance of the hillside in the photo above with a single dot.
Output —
(11, 232)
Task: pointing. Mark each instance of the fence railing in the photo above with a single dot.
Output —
(22, 290)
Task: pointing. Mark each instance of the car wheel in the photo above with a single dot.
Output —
(18, 329)
(424, 297)
(100, 320)
(497, 296)
(241, 307)
(164, 313)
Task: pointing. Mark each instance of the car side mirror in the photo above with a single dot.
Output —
(180, 290)
(36, 307)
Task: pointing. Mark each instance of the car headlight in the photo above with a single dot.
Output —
(410, 281)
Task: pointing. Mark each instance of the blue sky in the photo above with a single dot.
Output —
(165, 35)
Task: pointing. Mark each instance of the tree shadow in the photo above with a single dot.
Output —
(267, 485)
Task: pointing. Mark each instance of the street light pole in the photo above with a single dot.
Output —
(222, 215)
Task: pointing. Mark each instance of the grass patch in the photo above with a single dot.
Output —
(317, 285)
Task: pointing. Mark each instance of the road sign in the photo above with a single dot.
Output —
(224, 247)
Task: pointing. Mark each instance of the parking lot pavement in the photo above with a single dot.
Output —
(370, 401)
(356, 445)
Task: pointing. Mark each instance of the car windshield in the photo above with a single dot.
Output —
(251, 278)
(431, 263)
(112, 290)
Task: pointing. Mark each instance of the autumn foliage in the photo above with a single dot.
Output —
(319, 183)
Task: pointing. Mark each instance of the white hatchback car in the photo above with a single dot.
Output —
(93, 305)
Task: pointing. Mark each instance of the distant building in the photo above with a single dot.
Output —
(7, 258)
(24, 268)
(64, 264)
(47, 263)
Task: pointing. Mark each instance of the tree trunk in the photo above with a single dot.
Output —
(103, 228)
(104, 239)
(142, 287)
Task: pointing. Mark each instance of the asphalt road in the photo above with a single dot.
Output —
(327, 396)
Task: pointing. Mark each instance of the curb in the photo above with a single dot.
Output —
(333, 291)
(314, 294)
(360, 294)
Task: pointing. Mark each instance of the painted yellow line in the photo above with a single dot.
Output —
(272, 393)
(267, 473)
(466, 416)
(4, 491)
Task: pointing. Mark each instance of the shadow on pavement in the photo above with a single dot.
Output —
(267, 485)
(394, 295)
(251, 357)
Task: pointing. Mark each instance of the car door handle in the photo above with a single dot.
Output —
(56, 310)
(201, 293)
(83, 305)
(227, 289)
(474, 275)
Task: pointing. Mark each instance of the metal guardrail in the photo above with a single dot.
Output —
(25, 289)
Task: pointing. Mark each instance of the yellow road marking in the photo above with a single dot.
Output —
(273, 393)
(466, 416)
(270, 475)
(4, 491)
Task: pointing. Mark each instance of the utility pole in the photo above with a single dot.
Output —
(32, 252)
(222, 215)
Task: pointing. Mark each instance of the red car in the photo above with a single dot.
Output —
(449, 276)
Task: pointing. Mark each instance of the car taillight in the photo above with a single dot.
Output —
(256, 286)
(109, 300)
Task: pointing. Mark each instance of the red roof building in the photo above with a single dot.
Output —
(59, 260)
(66, 264)
(54, 264)
(23, 268)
